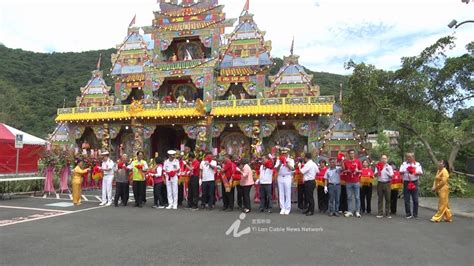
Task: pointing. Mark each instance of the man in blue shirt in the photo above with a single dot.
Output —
(332, 181)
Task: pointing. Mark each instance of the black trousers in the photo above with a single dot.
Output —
(144, 192)
(266, 197)
(308, 194)
(302, 203)
(208, 192)
(121, 191)
(228, 198)
(138, 190)
(246, 196)
(164, 194)
(323, 199)
(180, 194)
(406, 198)
(157, 194)
(240, 196)
(365, 198)
(193, 192)
(393, 201)
(343, 199)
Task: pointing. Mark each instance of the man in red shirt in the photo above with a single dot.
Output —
(228, 169)
(323, 197)
(193, 190)
(352, 168)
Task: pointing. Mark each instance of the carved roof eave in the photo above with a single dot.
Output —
(159, 13)
(217, 24)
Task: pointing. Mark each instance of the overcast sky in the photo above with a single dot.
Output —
(327, 32)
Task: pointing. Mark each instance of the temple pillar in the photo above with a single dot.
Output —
(105, 137)
(137, 128)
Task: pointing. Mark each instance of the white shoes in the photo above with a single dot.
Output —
(169, 207)
(102, 203)
(108, 204)
(348, 214)
(161, 207)
(287, 212)
(175, 207)
(282, 212)
(358, 215)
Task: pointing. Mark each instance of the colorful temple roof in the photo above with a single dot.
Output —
(189, 15)
(154, 73)
(292, 79)
(246, 47)
(95, 92)
(132, 55)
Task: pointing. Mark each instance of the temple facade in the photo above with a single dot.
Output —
(192, 85)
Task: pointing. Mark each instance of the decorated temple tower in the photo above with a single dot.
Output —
(182, 82)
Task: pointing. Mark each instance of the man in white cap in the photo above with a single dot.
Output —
(171, 167)
(108, 169)
(285, 166)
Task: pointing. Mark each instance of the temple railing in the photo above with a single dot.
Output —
(182, 64)
(290, 105)
(125, 108)
(313, 105)
(147, 110)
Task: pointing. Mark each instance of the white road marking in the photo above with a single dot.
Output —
(97, 197)
(70, 196)
(44, 196)
(51, 213)
(31, 209)
(85, 198)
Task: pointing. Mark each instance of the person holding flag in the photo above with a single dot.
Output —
(411, 171)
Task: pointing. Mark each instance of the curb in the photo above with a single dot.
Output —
(455, 213)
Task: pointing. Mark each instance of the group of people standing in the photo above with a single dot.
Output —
(343, 188)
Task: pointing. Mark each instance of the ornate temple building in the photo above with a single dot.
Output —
(192, 85)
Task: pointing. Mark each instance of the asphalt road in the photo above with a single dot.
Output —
(128, 235)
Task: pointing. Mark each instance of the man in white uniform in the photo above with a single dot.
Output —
(171, 167)
(108, 170)
(285, 167)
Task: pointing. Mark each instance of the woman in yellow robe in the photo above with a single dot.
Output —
(77, 181)
(440, 186)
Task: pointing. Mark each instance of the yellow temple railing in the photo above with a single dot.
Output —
(309, 105)
(124, 112)
(314, 105)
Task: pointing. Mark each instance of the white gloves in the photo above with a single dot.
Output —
(200, 181)
(325, 189)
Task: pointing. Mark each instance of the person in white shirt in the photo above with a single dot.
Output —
(309, 171)
(384, 173)
(411, 171)
(207, 179)
(171, 168)
(107, 168)
(285, 166)
(265, 181)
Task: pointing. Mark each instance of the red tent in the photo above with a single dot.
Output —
(29, 154)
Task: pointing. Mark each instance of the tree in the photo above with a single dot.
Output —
(417, 98)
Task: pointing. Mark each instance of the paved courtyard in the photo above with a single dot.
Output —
(48, 231)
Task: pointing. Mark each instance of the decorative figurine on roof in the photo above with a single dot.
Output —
(291, 79)
(245, 59)
(96, 91)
